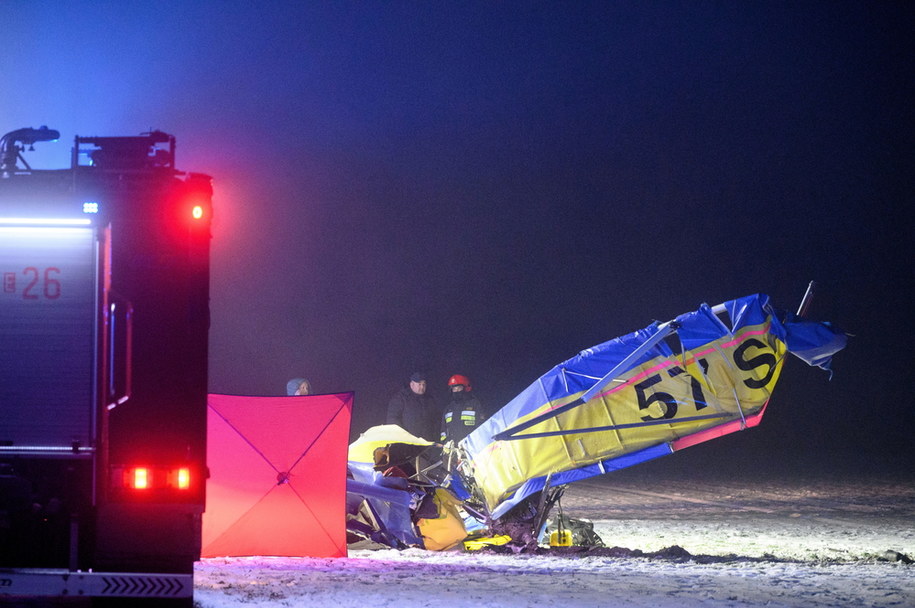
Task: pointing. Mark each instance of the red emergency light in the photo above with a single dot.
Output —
(195, 208)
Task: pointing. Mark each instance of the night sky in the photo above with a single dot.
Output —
(488, 188)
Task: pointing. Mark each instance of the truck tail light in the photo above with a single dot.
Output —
(181, 478)
(140, 478)
(143, 479)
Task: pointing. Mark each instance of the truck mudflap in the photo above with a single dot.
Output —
(42, 582)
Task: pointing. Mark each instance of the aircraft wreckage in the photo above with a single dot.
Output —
(705, 374)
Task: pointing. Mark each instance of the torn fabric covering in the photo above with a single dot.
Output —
(390, 505)
(277, 475)
(394, 501)
(362, 450)
(445, 530)
(576, 419)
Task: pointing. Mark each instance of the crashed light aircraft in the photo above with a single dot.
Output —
(705, 374)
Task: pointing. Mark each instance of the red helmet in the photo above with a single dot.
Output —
(459, 379)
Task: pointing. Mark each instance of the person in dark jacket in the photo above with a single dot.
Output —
(414, 410)
(463, 413)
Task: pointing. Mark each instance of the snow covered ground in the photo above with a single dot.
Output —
(814, 543)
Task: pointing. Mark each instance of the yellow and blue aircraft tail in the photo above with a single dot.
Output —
(668, 386)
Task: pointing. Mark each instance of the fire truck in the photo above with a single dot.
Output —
(104, 315)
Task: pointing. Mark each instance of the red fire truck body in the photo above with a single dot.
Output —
(104, 315)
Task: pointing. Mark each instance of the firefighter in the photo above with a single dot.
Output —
(463, 413)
